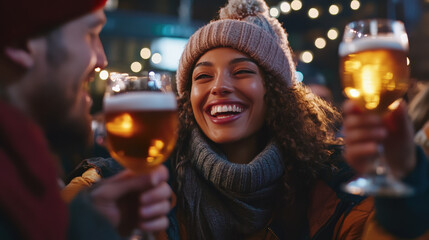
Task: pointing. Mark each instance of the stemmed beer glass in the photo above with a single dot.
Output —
(374, 72)
(141, 126)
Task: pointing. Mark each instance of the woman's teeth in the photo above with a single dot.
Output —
(231, 108)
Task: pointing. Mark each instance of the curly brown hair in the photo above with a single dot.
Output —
(302, 124)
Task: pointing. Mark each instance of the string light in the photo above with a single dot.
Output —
(355, 5)
(333, 33)
(320, 43)
(334, 9)
(274, 12)
(313, 13)
(285, 7)
(136, 67)
(156, 58)
(145, 53)
(296, 5)
(306, 56)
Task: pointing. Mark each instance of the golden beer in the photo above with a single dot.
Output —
(374, 71)
(141, 128)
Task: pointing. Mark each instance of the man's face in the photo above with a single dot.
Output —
(57, 97)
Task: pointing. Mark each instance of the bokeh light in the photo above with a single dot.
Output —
(285, 7)
(104, 75)
(313, 13)
(334, 9)
(320, 43)
(145, 53)
(274, 12)
(355, 5)
(306, 56)
(296, 5)
(156, 58)
(333, 33)
(299, 76)
(136, 67)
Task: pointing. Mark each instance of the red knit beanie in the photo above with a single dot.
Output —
(23, 19)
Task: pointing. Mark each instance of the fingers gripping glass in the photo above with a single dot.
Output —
(374, 73)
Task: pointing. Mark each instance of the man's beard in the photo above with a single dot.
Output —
(69, 139)
(66, 124)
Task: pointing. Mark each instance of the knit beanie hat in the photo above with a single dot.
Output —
(23, 19)
(246, 26)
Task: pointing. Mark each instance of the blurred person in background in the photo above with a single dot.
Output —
(418, 91)
(257, 156)
(316, 82)
(419, 113)
(48, 52)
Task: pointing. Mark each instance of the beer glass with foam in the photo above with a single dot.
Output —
(141, 123)
(374, 72)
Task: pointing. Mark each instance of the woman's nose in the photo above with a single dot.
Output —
(222, 85)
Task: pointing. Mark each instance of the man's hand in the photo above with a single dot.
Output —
(133, 201)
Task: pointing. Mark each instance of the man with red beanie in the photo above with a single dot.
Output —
(48, 52)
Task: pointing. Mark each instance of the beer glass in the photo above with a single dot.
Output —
(141, 124)
(374, 73)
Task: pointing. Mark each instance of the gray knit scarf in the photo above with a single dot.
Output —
(228, 200)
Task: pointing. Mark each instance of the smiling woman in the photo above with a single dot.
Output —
(257, 156)
(246, 128)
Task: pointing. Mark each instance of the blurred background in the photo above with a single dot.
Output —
(144, 35)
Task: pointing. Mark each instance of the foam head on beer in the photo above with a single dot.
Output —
(380, 42)
(138, 101)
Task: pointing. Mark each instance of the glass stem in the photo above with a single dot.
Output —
(139, 235)
(380, 165)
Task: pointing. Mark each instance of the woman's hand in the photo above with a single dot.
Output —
(363, 132)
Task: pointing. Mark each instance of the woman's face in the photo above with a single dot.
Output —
(227, 95)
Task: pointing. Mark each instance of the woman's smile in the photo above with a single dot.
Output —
(225, 112)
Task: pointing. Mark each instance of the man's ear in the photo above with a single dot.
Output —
(19, 56)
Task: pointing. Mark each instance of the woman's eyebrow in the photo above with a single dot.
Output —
(233, 61)
(200, 64)
(244, 59)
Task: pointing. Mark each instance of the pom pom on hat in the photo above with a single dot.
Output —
(256, 12)
(240, 9)
(246, 26)
(23, 19)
